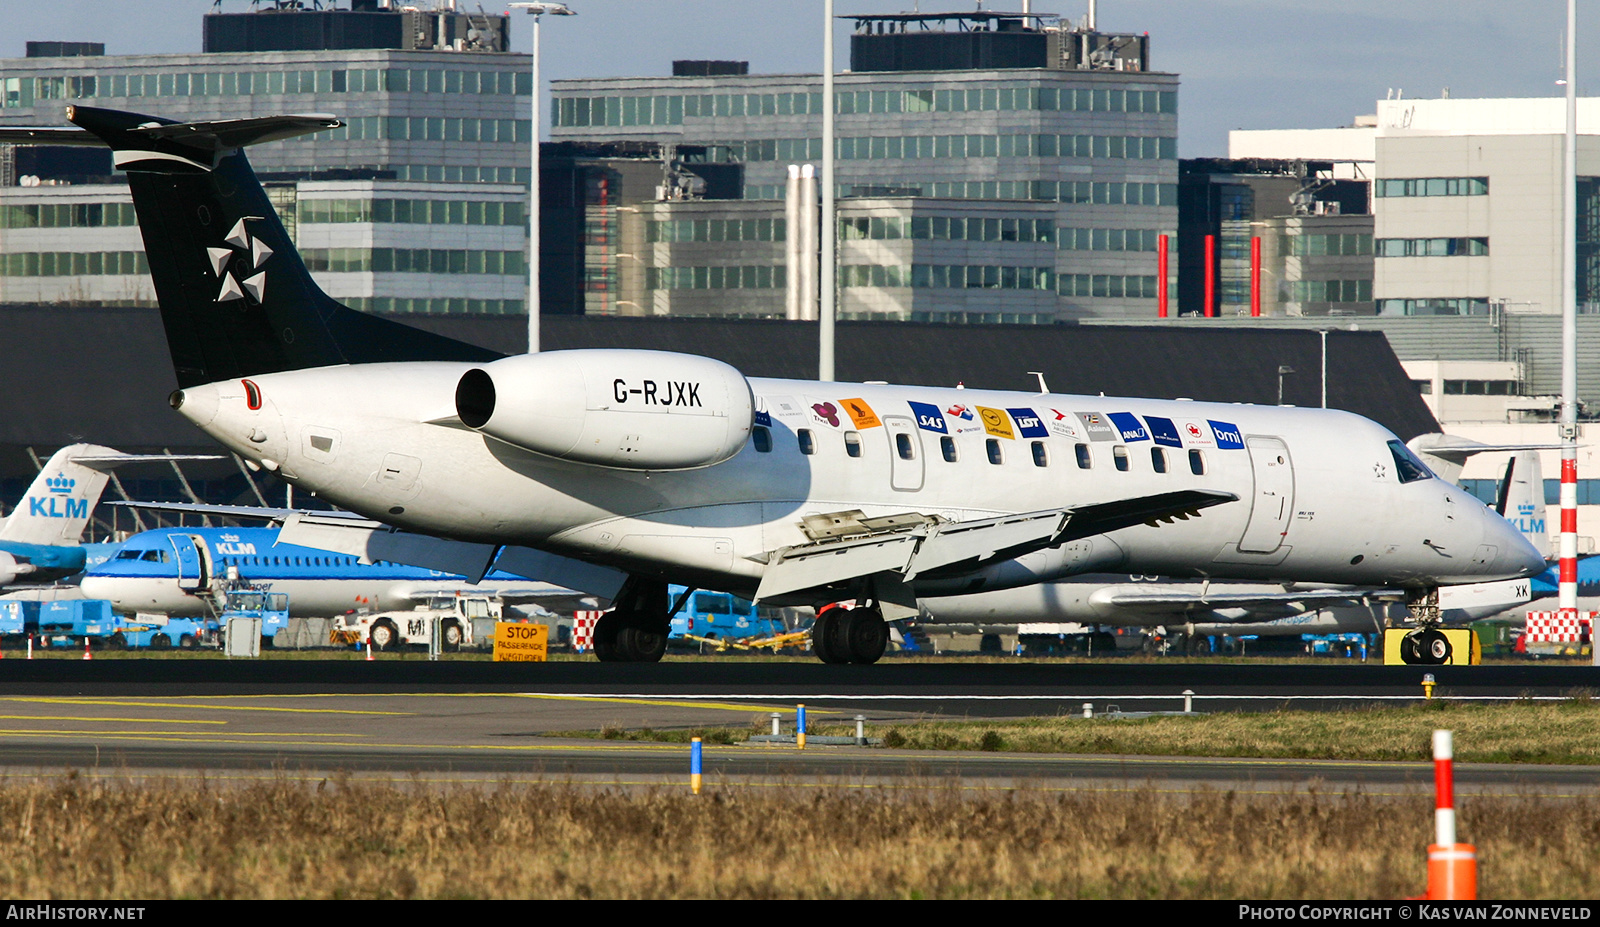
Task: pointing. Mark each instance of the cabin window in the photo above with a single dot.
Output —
(947, 445)
(1158, 459)
(903, 446)
(1197, 463)
(1041, 456)
(808, 444)
(1119, 456)
(1084, 460)
(852, 443)
(762, 439)
(996, 454)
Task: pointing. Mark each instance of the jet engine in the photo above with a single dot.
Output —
(10, 569)
(636, 410)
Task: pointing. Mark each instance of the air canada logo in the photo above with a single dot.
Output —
(60, 484)
(239, 265)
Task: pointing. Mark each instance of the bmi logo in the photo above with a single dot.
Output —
(60, 483)
(240, 270)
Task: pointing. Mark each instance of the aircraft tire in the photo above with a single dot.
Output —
(825, 636)
(452, 637)
(1435, 647)
(117, 642)
(866, 635)
(160, 642)
(640, 645)
(605, 638)
(187, 642)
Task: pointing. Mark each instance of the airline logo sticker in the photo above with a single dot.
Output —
(1128, 426)
(995, 422)
(1095, 424)
(784, 406)
(825, 413)
(861, 414)
(1228, 436)
(1195, 435)
(961, 412)
(1028, 423)
(928, 417)
(60, 487)
(763, 419)
(1163, 431)
(962, 419)
(1061, 423)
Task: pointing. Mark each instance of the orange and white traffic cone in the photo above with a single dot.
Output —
(369, 650)
(86, 654)
(1452, 866)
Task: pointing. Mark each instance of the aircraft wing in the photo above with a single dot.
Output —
(934, 549)
(1251, 605)
(265, 513)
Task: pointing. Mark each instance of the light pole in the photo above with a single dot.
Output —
(537, 11)
(829, 282)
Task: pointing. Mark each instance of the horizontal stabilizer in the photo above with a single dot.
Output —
(373, 541)
(264, 513)
(211, 137)
(107, 461)
(48, 135)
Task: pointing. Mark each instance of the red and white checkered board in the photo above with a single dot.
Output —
(583, 629)
(1556, 627)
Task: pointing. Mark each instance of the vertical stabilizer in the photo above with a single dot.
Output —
(1521, 499)
(57, 506)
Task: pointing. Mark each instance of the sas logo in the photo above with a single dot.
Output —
(1228, 435)
(861, 414)
(1029, 425)
(60, 483)
(1128, 426)
(232, 267)
(995, 422)
(928, 417)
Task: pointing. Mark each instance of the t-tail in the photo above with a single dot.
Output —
(55, 509)
(236, 299)
(1521, 499)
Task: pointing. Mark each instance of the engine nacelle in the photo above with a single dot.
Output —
(10, 569)
(637, 410)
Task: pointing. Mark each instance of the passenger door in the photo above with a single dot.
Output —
(1272, 505)
(191, 562)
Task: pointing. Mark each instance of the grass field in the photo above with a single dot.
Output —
(336, 839)
(1516, 732)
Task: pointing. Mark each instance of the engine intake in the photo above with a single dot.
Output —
(635, 410)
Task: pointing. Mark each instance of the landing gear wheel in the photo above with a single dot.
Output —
(1104, 643)
(1427, 647)
(187, 642)
(605, 638)
(117, 642)
(160, 642)
(640, 645)
(825, 634)
(384, 636)
(636, 629)
(866, 635)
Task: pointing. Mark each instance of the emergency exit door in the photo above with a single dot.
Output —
(1273, 503)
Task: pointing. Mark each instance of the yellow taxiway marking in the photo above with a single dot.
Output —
(194, 736)
(124, 703)
(745, 707)
(90, 718)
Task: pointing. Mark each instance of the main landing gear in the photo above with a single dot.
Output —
(635, 630)
(849, 635)
(1427, 645)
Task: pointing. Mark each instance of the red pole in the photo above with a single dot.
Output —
(1161, 276)
(1210, 307)
(1255, 277)
(1452, 866)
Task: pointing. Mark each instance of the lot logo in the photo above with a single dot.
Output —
(1028, 422)
(232, 266)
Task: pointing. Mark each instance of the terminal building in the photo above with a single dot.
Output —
(416, 205)
(991, 167)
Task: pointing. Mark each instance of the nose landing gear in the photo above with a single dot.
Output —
(1427, 645)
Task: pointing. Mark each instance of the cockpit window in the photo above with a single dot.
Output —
(129, 554)
(1406, 464)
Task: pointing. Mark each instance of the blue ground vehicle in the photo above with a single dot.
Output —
(65, 622)
(187, 633)
(246, 600)
(720, 616)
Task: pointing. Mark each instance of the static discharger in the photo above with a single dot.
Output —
(1452, 866)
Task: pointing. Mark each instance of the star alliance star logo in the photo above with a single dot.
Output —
(247, 260)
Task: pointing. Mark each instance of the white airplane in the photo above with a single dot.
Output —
(1237, 608)
(617, 471)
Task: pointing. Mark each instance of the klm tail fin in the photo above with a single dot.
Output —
(236, 300)
(57, 506)
(1521, 499)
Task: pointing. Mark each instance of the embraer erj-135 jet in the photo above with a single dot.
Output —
(615, 472)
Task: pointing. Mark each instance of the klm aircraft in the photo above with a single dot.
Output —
(174, 572)
(616, 472)
(41, 542)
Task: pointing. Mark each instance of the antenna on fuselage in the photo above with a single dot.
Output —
(1042, 388)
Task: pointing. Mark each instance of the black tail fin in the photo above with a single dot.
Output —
(236, 299)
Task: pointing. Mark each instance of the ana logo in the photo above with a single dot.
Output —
(1128, 426)
(60, 483)
(827, 412)
(245, 263)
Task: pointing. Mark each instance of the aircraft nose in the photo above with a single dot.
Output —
(1518, 557)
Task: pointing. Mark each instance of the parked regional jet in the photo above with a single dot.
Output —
(173, 571)
(617, 471)
(41, 541)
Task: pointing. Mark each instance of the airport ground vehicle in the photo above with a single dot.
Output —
(720, 616)
(158, 632)
(392, 630)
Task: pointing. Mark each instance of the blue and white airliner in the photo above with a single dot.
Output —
(174, 572)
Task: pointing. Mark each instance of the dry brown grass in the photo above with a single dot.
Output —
(89, 840)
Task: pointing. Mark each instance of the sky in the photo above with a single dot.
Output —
(1244, 64)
